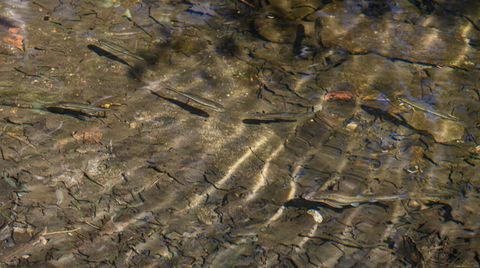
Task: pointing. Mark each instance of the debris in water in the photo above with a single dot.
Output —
(91, 136)
(15, 38)
(338, 96)
(351, 126)
(317, 217)
(69, 232)
(110, 105)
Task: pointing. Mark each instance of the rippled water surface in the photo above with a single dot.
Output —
(240, 133)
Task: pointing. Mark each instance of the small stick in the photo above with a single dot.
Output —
(153, 184)
(92, 225)
(92, 180)
(62, 232)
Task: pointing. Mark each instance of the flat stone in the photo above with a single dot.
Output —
(442, 130)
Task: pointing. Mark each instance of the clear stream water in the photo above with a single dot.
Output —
(240, 133)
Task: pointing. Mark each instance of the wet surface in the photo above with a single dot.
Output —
(240, 133)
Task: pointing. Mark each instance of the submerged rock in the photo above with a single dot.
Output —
(442, 130)
(278, 21)
(393, 39)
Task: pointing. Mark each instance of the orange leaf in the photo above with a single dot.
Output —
(15, 38)
(13, 30)
(338, 95)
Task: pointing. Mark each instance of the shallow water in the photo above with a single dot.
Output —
(311, 95)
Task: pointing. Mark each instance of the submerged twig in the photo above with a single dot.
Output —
(92, 225)
(11, 135)
(60, 232)
(247, 3)
(92, 180)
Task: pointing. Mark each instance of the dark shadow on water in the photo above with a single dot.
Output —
(425, 6)
(376, 9)
(447, 215)
(268, 121)
(379, 113)
(103, 53)
(6, 23)
(228, 47)
(150, 57)
(184, 106)
(75, 114)
(475, 43)
(305, 204)
(398, 121)
(136, 72)
(158, 53)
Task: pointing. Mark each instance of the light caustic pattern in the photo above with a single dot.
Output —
(168, 184)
